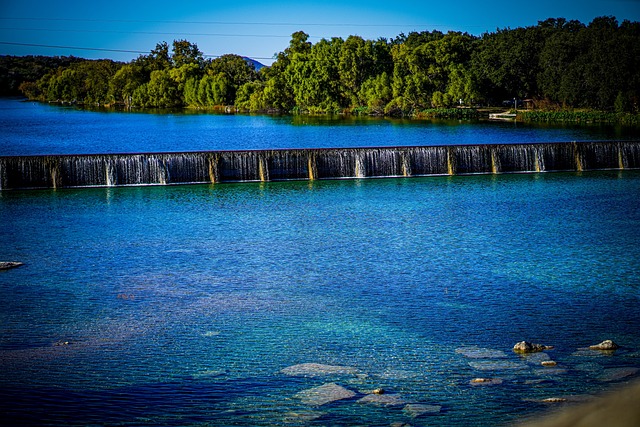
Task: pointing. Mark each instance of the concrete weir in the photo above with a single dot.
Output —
(107, 170)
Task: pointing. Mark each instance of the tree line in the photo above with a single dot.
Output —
(558, 63)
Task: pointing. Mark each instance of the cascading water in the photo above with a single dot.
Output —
(311, 164)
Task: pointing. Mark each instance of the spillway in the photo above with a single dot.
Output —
(106, 170)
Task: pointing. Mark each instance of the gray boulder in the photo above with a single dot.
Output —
(527, 347)
(605, 345)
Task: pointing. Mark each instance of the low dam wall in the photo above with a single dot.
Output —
(61, 171)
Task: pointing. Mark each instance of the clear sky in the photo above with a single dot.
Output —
(121, 30)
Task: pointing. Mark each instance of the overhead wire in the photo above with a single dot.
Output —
(306, 24)
(167, 33)
(157, 33)
(109, 50)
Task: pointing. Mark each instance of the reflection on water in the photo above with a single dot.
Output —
(290, 303)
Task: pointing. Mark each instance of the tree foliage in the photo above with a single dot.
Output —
(562, 63)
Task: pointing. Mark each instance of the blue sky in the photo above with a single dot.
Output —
(259, 29)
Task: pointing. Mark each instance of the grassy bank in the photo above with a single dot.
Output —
(448, 113)
(579, 117)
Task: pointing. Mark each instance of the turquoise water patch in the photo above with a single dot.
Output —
(185, 304)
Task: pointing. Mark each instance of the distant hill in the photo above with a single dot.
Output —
(253, 62)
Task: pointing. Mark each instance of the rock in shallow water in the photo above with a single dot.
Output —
(318, 369)
(605, 345)
(496, 365)
(615, 374)
(326, 393)
(6, 265)
(383, 399)
(302, 417)
(528, 347)
(417, 409)
(480, 353)
(485, 381)
(554, 400)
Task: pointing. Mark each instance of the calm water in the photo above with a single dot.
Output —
(30, 128)
(185, 305)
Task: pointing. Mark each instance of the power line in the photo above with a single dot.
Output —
(72, 47)
(274, 24)
(108, 50)
(156, 33)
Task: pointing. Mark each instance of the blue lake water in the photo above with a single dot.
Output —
(196, 305)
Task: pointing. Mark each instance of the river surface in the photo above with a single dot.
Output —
(28, 128)
(258, 304)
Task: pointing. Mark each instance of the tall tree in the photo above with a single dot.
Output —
(506, 63)
(184, 53)
(236, 71)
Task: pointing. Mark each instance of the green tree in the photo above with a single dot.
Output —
(214, 90)
(236, 72)
(506, 63)
(561, 62)
(325, 76)
(183, 74)
(248, 96)
(377, 93)
(140, 97)
(81, 82)
(186, 53)
(125, 81)
(355, 66)
(158, 59)
(162, 90)
(277, 93)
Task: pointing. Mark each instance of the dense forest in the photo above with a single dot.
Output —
(557, 64)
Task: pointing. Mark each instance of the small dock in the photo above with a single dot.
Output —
(502, 116)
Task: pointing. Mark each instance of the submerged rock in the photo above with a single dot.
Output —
(302, 416)
(383, 399)
(538, 382)
(549, 363)
(550, 371)
(527, 347)
(398, 374)
(208, 373)
(587, 352)
(326, 393)
(481, 353)
(615, 374)
(318, 369)
(496, 365)
(554, 400)
(485, 381)
(6, 265)
(605, 345)
(535, 358)
(417, 409)
(589, 367)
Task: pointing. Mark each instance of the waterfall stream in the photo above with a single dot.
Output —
(310, 164)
